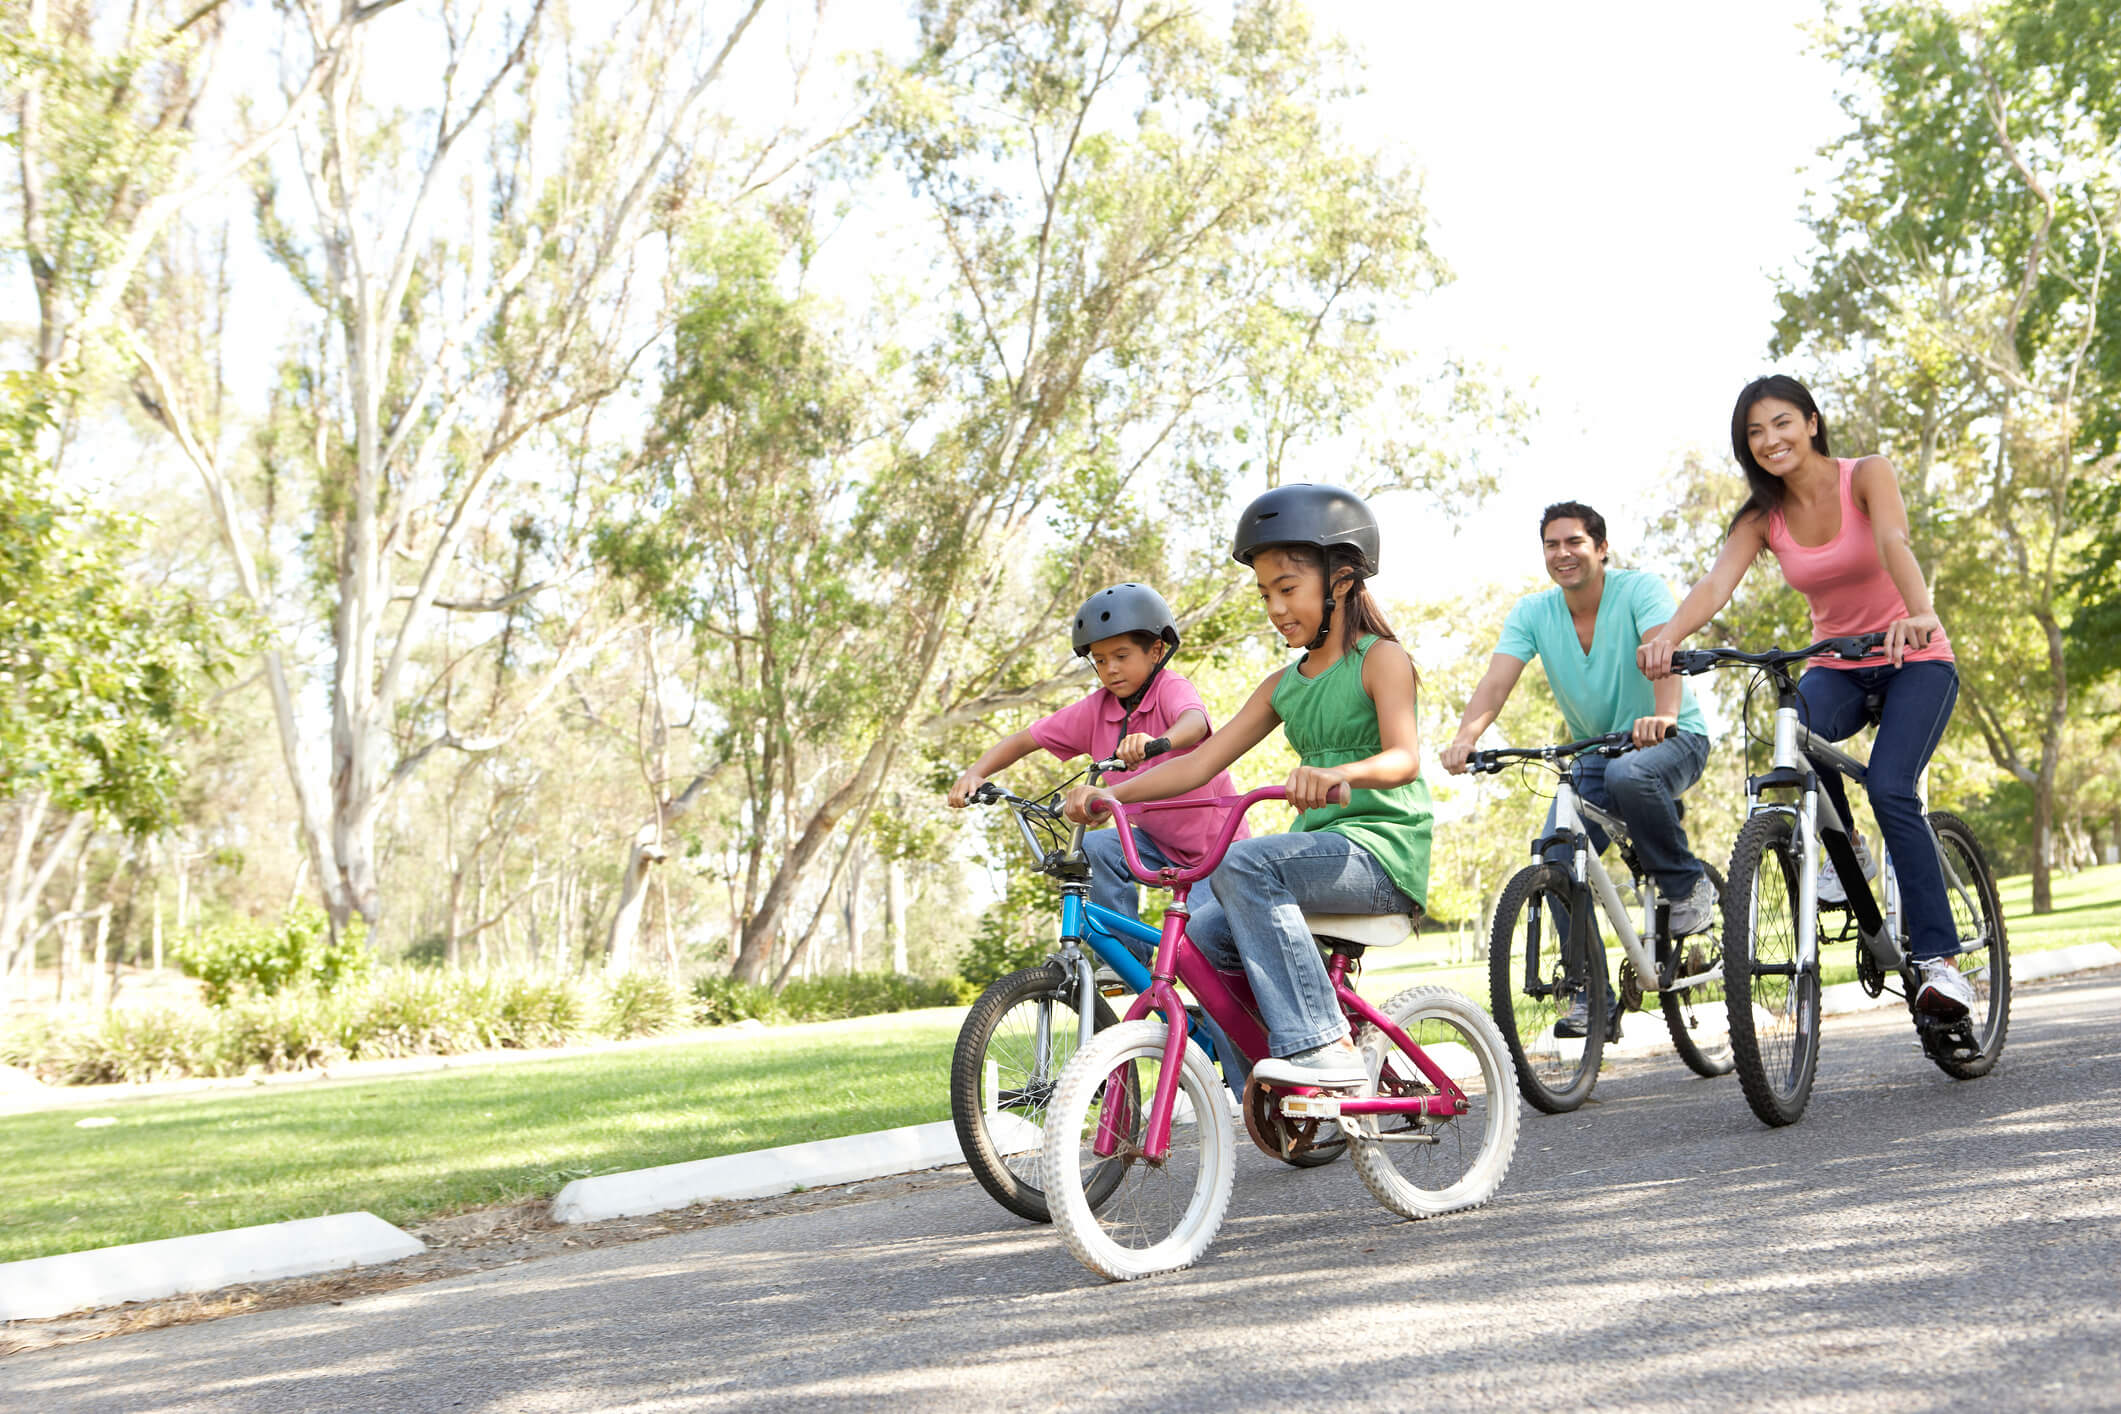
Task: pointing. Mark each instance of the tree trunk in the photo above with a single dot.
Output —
(895, 913)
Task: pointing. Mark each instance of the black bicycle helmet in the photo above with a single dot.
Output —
(1304, 513)
(1124, 608)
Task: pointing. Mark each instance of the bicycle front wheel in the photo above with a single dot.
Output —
(1984, 958)
(1162, 1213)
(1772, 1001)
(1533, 982)
(1010, 1051)
(1694, 1010)
(1420, 1167)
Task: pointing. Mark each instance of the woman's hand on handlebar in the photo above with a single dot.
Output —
(961, 793)
(1911, 632)
(1313, 787)
(1078, 808)
(1654, 657)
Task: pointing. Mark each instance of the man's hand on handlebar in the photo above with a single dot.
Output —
(1650, 730)
(1455, 755)
(1078, 806)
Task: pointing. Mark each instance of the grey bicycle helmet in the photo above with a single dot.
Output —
(1124, 608)
(1305, 513)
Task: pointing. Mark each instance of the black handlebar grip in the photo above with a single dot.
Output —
(1156, 748)
(987, 793)
(1693, 660)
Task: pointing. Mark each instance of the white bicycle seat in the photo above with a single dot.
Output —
(1369, 930)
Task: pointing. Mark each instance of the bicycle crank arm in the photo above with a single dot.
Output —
(1324, 1106)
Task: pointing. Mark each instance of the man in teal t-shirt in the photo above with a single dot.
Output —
(1585, 632)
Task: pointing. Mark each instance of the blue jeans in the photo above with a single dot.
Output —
(1262, 890)
(1914, 703)
(1643, 788)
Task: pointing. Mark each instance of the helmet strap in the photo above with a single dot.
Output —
(1325, 625)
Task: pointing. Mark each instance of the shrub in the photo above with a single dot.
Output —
(291, 1030)
(243, 956)
(538, 1011)
(870, 994)
(131, 1046)
(639, 1004)
(721, 1000)
(415, 1013)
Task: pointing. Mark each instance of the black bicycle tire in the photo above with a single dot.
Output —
(1774, 1102)
(1947, 825)
(1673, 1006)
(1502, 994)
(967, 1066)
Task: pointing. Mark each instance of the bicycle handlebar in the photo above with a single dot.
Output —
(1701, 660)
(1156, 747)
(1493, 760)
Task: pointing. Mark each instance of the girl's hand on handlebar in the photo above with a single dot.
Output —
(1654, 657)
(961, 793)
(1651, 730)
(1313, 787)
(1911, 632)
(1077, 806)
(1455, 755)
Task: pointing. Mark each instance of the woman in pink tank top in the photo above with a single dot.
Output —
(1838, 528)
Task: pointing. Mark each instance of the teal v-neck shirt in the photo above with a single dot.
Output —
(1600, 691)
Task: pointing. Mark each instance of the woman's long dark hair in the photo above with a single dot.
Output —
(1353, 601)
(1765, 491)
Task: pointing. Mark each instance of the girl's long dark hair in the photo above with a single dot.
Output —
(1764, 491)
(1353, 603)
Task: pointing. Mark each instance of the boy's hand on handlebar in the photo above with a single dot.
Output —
(1313, 787)
(1078, 806)
(961, 793)
(1455, 755)
(1651, 730)
(1134, 749)
(1911, 632)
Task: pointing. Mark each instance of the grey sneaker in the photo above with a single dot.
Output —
(1336, 1065)
(1697, 911)
(1831, 889)
(1944, 993)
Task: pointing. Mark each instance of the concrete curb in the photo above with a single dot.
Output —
(764, 1172)
(1845, 997)
(144, 1271)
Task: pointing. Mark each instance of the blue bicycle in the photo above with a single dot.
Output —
(1026, 1026)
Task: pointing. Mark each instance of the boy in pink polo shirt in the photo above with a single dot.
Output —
(1127, 632)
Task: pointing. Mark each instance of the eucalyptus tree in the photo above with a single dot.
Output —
(1968, 237)
(1140, 264)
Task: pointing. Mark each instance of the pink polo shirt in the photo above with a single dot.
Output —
(1091, 728)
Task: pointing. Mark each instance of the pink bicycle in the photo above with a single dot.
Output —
(1433, 1132)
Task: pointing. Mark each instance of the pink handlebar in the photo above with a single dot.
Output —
(1236, 806)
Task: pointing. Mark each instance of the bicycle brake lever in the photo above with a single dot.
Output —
(987, 794)
(1693, 660)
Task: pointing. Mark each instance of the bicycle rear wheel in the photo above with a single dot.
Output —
(1773, 1004)
(1162, 1214)
(1421, 1167)
(1985, 959)
(1696, 1015)
(1010, 1051)
(1532, 983)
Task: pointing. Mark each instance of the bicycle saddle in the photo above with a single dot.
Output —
(1369, 930)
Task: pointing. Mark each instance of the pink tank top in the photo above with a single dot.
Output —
(1845, 582)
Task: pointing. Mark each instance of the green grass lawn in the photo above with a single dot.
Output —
(410, 1147)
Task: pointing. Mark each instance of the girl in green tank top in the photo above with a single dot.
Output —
(1360, 841)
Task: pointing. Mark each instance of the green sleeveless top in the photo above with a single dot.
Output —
(1330, 721)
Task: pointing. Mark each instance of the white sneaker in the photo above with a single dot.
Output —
(1831, 889)
(1695, 912)
(1336, 1065)
(1944, 993)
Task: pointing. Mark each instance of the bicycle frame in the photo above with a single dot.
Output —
(1227, 998)
(1570, 813)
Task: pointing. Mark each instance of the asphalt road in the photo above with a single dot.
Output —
(1913, 1244)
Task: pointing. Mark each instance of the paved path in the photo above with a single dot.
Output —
(1914, 1244)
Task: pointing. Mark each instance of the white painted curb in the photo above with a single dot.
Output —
(764, 1172)
(143, 1271)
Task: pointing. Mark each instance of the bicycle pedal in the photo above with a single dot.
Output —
(1315, 1104)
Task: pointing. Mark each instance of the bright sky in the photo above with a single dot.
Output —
(1614, 186)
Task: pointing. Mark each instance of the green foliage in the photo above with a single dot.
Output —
(639, 1004)
(100, 675)
(870, 994)
(242, 955)
(1017, 929)
(720, 999)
